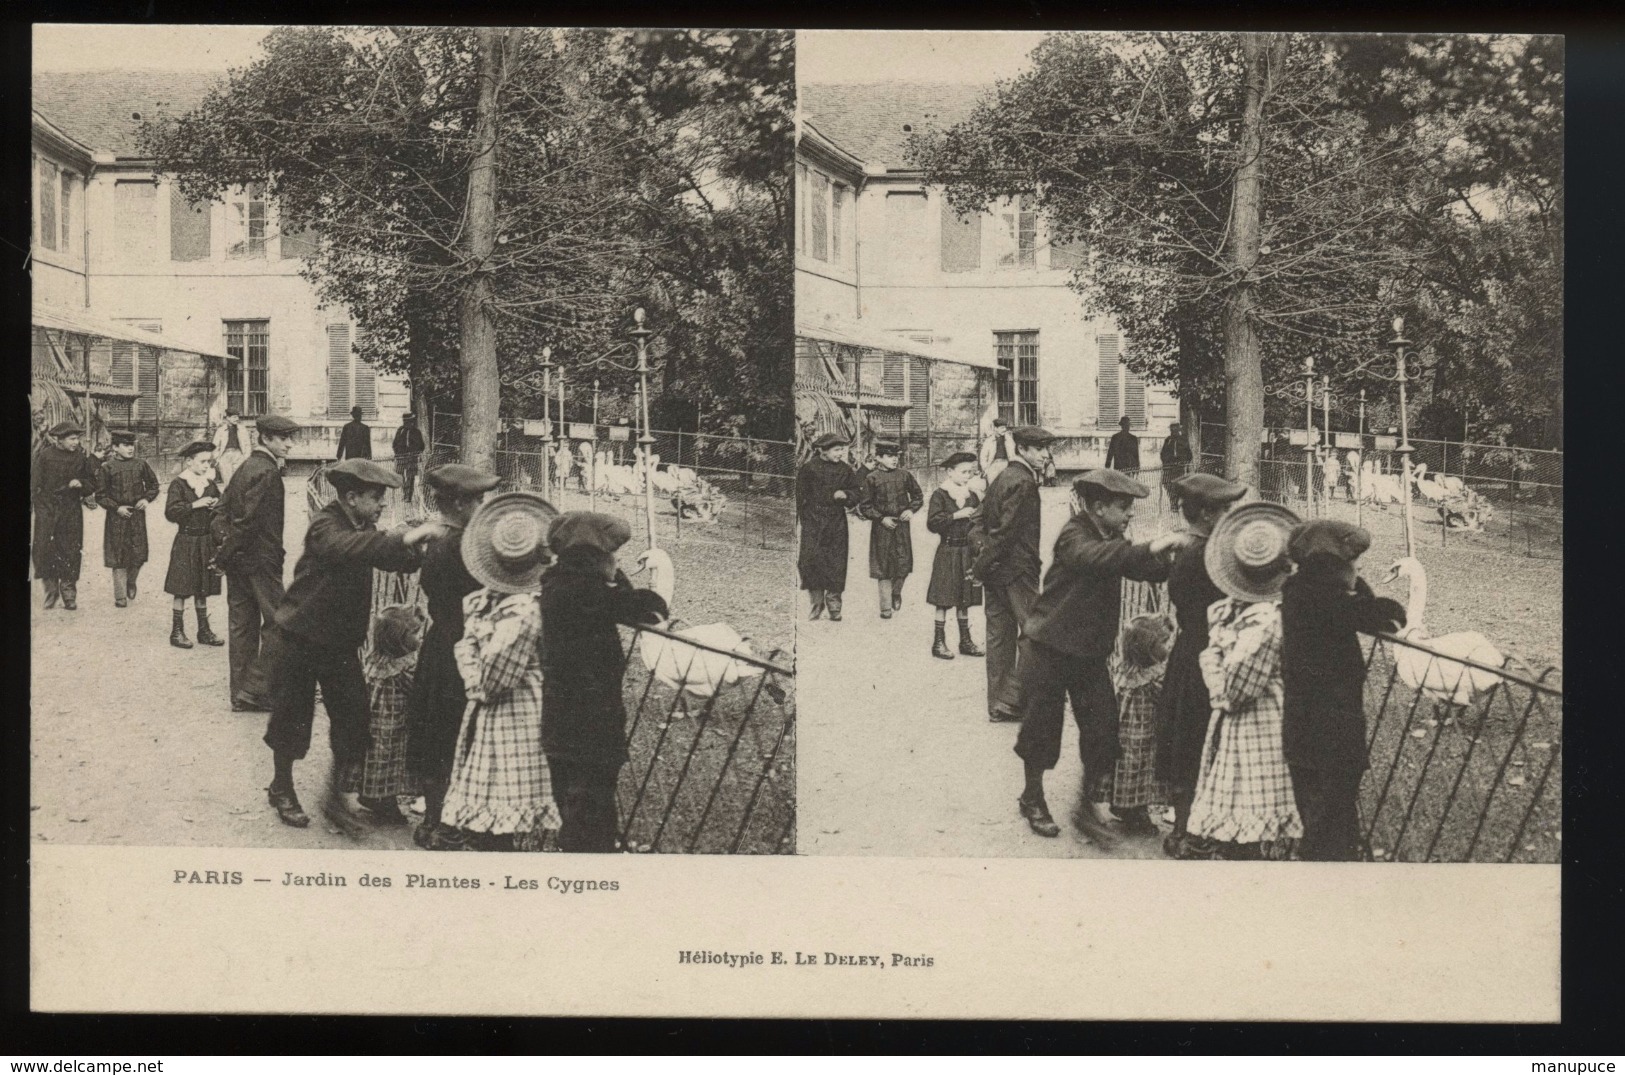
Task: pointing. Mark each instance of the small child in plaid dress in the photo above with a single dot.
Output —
(1131, 786)
(381, 775)
(1244, 800)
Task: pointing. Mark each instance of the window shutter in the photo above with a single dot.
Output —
(135, 220)
(961, 240)
(122, 370)
(818, 237)
(1109, 412)
(366, 382)
(1134, 398)
(891, 376)
(1066, 255)
(338, 371)
(919, 393)
(47, 204)
(837, 214)
(65, 211)
(905, 231)
(299, 243)
(189, 237)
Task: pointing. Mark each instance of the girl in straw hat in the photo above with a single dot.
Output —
(1244, 800)
(499, 783)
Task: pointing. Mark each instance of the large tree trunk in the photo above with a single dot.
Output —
(482, 385)
(1243, 371)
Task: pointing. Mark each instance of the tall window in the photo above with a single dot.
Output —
(1122, 391)
(1018, 235)
(802, 196)
(47, 204)
(818, 219)
(65, 211)
(351, 380)
(905, 230)
(1017, 355)
(837, 215)
(245, 216)
(135, 220)
(961, 240)
(249, 343)
(190, 237)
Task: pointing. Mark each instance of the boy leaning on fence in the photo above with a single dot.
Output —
(1324, 605)
(585, 597)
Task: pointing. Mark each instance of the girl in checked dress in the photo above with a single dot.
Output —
(1131, 786)
(381, 777)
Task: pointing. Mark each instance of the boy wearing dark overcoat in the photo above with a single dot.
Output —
(1009, 564)
(320, 627)
(584, 597)
(1071, 633)
(125, 486)
(826, 488)
(62, 477)
(1324, 605)
(888, 498)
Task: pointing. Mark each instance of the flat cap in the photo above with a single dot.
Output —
(276, 425)
(956, 459)
(829, 440)
(1209, 488)
(886, 447)
(1328, 537)
(1112, 481)
(460, 479)
(362, 472)
(195, 447)
(65, 428)
(122, 436)
(1032, 436)
(409, 417)
(590, 528)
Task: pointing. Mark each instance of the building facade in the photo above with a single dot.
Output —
(879, 246)
(116, 243)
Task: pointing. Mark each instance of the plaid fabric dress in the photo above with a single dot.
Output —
(1133, 780)
(382, 773)
(1244, 794)
(499, 781)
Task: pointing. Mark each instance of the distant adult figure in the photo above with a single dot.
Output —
(408, 447)
(997, 450)
(1176, 463)
(251, 557)
(1008, 564)
(1123, 451)
(230, 446)
(355, 440)
(63, 476)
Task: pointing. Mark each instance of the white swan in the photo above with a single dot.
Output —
(698, 672)
(1430, 489)
(1447, 682)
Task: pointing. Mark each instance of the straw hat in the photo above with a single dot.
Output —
(505, 543)
(1246, 556)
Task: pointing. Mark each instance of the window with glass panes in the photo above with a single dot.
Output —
(65, 211)
(247, 222)
(249, 343)
(47, 204)
(1017, 383)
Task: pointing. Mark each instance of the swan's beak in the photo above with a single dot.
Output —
(1393, 573)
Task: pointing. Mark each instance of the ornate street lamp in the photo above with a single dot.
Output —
(547, 384)
(1400, 356)
(1359, 471)
(646, 440)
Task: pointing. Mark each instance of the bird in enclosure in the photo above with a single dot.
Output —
(1429, 489)
(696, 672)
(1450, 684)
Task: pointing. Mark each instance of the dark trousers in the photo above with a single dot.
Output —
(300, 667)
(407, 467)
(1048, 678)
(1007, 606)
(585, 794)
(251, 600)
(1329, 804)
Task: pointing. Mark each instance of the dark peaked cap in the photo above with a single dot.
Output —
(1114, 482)
(1327, 537)
(459, 479)
(276, 425)
(1208, 488)
(353, 472)
(1032, 436)
(829, 440)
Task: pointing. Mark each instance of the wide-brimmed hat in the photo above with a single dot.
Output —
(1246, 555)
(505, 543)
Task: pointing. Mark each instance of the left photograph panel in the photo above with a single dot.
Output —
(413, 439)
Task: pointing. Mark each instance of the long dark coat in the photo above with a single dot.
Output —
(330, 600)
(59, 517)
(951, 585)
(1323, 669)
(355, 441)
(122, 483)
(1077, 611)
(253, 506)
(1185, 706)
(821, 558)
(434, 712)
(1011, 524)
(193, 547)
(886, 494)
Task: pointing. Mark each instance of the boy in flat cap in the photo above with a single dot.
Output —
(320, 627)
(1184, 707)
(1071, 633)
(1324, 605)
(584, 597)
(125, 486)
(826, 488)
(888, 498)
(355, 439)
(251, 557)
(1008, 564)
(62, 477)
(434, 712)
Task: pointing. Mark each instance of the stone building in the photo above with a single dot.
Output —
(118, 252)
(965, 317)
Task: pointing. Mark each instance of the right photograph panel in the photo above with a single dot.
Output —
(1179, 449)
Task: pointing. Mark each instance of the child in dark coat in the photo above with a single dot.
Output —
(1324, 605)
(954, 512)
(584, 597)
(888, 498)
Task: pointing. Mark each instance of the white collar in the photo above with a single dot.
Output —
(198, 482)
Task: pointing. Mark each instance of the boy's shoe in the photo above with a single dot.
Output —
(969, 648)
(885, 612)
(384, 811)
(1036, 811)
(344, 818)
(1137, 821)
(896, 600)
(939, 648)
(287, 807)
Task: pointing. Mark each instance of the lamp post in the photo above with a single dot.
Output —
(559, 433)
(1359, 471)
(1399, 343)
(547, 382)
(1309, 434)
(592, 467)
(1326, 436)
(646, 440)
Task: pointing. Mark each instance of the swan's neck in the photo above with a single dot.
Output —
(1417, 605)
(660, 584)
